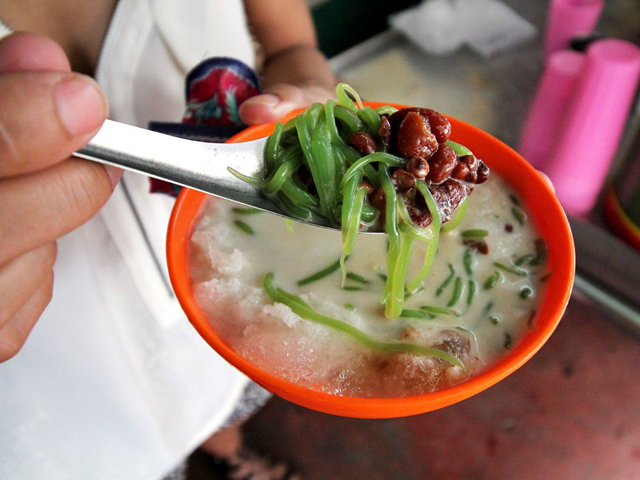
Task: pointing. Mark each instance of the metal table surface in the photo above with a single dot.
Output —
(574, 410)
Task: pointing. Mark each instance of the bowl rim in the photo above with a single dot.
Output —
(550, 220)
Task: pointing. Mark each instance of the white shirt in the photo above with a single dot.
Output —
(113, 382)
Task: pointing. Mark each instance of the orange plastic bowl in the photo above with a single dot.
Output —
(542, 206)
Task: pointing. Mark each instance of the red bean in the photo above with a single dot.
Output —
(378, 199)
(398, 116)
(367, 187)
(440, 126)
(479, 245)
(363, 143)
(418, 167)
(414, 137)
(385, 131)
(419, 215)
(483, 173)
(417, 208)
(471, 161)
(464, 172)
(467, 169)
(470, 169)
(402, 180)
(438, 123)
(448, 196)
(442, 164)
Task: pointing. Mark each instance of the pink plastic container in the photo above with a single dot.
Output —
(593, 124)
(540, 133)
(568, 19)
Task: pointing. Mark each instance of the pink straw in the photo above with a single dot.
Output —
(549, 106)
(594, 123)
(569, 19)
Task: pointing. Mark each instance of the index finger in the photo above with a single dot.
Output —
(22, 51)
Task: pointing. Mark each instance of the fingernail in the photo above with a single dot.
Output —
(266, 99)
(114, 174)
(80, 103)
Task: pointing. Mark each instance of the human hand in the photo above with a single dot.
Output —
(46, 113)
(280, 99)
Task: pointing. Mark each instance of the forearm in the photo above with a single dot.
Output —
(295, 73)
(298, 65)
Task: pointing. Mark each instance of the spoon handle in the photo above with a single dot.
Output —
(198, 165)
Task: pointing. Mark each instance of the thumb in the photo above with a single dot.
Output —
(44, 117)
(272, 105)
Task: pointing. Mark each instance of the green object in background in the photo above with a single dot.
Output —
(342, 24)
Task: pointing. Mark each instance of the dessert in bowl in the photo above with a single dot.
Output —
(471, 279)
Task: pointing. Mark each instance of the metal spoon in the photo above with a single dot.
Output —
(199, 165)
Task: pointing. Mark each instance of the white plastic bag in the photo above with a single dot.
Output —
(432, 25)
(443, 26)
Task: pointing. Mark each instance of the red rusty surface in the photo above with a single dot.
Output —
(573, 412)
